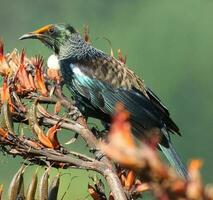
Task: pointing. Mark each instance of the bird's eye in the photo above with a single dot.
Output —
(51, 30)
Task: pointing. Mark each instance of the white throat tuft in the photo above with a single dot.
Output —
(52, 62)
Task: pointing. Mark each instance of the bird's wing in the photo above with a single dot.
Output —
(105, 81)
(104, 95)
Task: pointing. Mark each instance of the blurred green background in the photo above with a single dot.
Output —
(169, 45)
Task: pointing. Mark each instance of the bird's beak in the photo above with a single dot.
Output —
(37, 34)
(30, 35)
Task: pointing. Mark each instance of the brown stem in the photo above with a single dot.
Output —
(108, 171)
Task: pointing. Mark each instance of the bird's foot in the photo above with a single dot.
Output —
(99, 133)
(98, 154)
(74, 113)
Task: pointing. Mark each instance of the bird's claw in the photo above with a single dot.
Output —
(99, 134)
(99, 155)
(74, 113)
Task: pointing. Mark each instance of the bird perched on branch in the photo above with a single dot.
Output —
(98, 81)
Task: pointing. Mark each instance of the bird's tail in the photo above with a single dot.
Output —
(173, 157)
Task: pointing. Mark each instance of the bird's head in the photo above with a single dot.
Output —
(52, 35)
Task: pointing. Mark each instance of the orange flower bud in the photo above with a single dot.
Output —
(39, 79)
(52, 136)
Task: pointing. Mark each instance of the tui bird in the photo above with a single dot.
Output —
(98, 81)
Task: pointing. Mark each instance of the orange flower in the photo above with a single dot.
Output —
(5, 92)
(31, 81)
(195, 186)
(52, 136)
(195, 165)
(121, 127)
(23, 75)
(39, 79)
(3, 133)
(4, 67)
(121, 146)
(45, 140)
(130, 179)
(53, 74)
